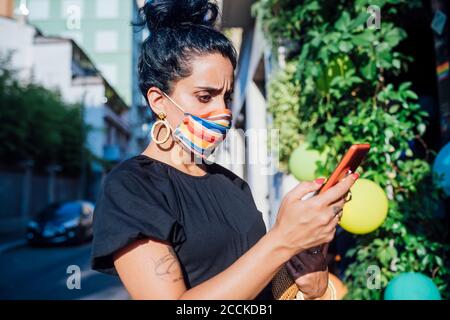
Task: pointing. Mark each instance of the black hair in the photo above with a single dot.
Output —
(179, 31)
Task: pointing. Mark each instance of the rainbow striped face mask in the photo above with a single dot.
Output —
(201, 134)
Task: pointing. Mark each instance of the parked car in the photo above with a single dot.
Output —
(63, 222)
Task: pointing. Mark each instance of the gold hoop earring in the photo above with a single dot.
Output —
(162, 120)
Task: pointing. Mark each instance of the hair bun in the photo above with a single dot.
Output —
(173, 13)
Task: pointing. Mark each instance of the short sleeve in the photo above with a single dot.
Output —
(129, 207)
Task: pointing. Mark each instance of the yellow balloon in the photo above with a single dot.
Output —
(367, 208)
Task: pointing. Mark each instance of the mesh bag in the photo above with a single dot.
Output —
(283, 286)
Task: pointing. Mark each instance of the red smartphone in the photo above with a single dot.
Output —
(349, 163)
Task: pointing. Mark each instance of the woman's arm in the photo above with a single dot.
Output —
(149, 269)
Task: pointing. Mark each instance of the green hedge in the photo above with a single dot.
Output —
(332, 93)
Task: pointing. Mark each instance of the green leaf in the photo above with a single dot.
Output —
(409, 153)
(392, 252)
(343, 22)
(359, 21)
(393, 37)
(396, 63)
(421, 251)
(388, 133)
(384, 56)
(369, 71)
(383, 256)
(345, 46)
(330, 127)
(321, 140)
(394, 108)
(364, 39)
(378, 242)
(439, 261)
(411, 94)
(404, 86)
(421, 128)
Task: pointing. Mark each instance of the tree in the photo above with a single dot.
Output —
(38, 125)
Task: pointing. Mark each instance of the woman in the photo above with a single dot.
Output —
(173, 227)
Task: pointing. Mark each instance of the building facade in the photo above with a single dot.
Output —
(103, 29)
(100, 27)
(59, 64)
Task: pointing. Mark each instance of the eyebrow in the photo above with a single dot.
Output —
(216, 90)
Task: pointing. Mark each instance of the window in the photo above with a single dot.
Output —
(106, 41)
(39, 9)
(107, 9)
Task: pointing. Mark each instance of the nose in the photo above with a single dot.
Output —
(225, 102)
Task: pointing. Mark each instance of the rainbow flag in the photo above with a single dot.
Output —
(442, 71)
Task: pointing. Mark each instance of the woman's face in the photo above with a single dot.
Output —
(208, 88)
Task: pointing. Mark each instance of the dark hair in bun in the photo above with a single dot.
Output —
(179, 30)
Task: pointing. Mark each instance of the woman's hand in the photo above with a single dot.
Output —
(303, 224)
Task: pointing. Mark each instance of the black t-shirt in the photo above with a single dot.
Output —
(210, 220)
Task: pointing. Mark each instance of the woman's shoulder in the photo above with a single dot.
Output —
(129, 165)
(132, 205)
(139, 178)
(132, 188)
(138, 168)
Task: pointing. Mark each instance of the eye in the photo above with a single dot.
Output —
(204, 98)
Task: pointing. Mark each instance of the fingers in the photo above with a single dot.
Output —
(339, 215)
(338, 191)
(328, 229)
(337, 208)
(332, 233)
(331, 211)
(305, 187)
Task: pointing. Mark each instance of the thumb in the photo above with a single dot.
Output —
(306, 187)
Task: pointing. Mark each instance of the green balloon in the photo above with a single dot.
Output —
(411, 286)
(302, 162)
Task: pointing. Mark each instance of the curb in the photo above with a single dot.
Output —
(12, 245)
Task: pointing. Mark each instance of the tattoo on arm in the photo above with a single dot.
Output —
(167, 267)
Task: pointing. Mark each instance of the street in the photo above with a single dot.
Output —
(41, 273)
